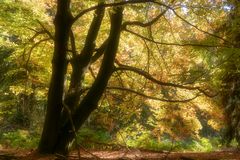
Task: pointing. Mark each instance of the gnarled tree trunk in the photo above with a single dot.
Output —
(58, 130)
(63, 22)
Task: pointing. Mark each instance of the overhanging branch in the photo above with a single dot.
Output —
(141, 24)
(151, 97)
(112, 5)
(156, 81)
(176, 44)
(197, 28)
(189, 23)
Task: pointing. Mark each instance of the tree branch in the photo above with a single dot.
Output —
(176, 44)
(81, 61)
(149, 77)
(144, 1)
(112, 5)
(141, 24)
(73, 44)
(199, 29)
(31, 49)
(46, 31)
(151, 97)
(99, 51)
(194, 26)
(91, 99)
(37, 33)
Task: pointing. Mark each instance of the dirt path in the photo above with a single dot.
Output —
(123, 155)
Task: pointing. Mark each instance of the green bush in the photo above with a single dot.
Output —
(203, 144)
(91, 138)
(19, 139)
(145, 140)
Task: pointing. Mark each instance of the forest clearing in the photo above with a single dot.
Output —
(120, 79)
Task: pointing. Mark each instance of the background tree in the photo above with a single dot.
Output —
(230, 74)
(23, 76)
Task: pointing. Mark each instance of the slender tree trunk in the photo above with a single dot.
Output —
(63, 22)
(90, 101)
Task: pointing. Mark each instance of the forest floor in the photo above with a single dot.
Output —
(122, 155)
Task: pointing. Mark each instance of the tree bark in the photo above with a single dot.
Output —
(81, 62)
(63, 23)
(90, 101)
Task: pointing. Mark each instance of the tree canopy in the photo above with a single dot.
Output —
(137, 69)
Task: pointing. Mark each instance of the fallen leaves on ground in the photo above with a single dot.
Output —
(133, 154)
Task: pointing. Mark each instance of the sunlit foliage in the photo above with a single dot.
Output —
(191, 44)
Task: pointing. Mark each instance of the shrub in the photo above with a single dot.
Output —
(19, 139)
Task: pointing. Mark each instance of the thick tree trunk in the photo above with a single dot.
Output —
(90, 101)
(58, 131)
(63, 22)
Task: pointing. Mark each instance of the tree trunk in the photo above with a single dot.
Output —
(63, 22)
(90, 101)
(58, 131)
(80, 63)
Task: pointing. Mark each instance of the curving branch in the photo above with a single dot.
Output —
(151, 97)
(37, 33)
(45, 30)
(156, 81)
(176, 44)
(199, 29)
(141, 24)
(122, 3)
(158, 48)
(32, 48)
(189, 23)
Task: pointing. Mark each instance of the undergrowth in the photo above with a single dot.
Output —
(101, 139)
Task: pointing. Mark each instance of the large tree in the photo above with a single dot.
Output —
(58, 130)
(69, 107)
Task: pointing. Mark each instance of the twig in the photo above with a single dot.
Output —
(34, 46)
(189, 23)
(60, 156)
(45, 29)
